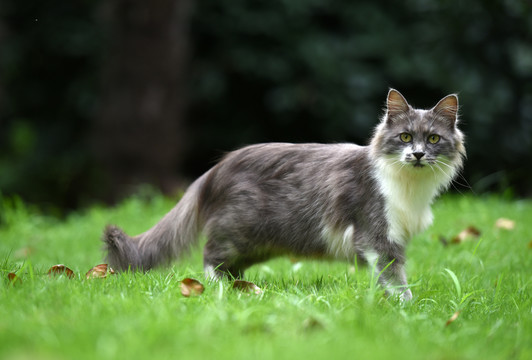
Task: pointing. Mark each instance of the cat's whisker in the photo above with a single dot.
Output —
(437, 165)
(443, 171)
(403, 164)
(432, 168)
(447, 174)
(444, 163)
(398, 161)
(450, 176)
(458, 176)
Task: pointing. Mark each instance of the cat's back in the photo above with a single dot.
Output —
(285, 167)
(278, 156)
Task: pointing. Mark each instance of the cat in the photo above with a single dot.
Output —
(337, 201)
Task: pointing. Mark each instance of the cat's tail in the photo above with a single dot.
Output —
(168, 239)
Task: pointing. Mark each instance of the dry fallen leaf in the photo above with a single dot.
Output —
(60, 269)
(505, 224)
(191, 287)
(468, 233)
(452, 318)
(247, 286)
(99, 271)
(312, 323)
(13, 278)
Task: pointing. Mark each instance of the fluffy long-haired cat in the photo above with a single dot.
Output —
(337, 201)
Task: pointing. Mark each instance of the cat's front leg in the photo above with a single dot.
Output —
(393, 278)
(391, 274)
(406, 296)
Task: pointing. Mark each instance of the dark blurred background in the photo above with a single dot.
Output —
(98, 97)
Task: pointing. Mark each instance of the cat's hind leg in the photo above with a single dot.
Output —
(221, 258)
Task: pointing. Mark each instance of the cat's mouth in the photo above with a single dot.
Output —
(418, 164)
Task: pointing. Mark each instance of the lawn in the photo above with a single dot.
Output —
(472, 294)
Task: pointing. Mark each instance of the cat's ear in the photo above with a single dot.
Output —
(395, 104)
(447, 109)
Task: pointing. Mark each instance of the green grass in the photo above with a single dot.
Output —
(307, 309)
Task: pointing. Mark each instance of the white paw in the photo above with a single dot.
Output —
(406, 295)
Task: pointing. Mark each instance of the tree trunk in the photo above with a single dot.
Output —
(138, 135)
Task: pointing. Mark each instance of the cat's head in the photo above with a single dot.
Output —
(411, 139)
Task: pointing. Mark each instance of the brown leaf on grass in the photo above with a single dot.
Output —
(99, 271)
(247, 286)
(60, 269)
(191, 287)
(530, 244)
(468, 233)
(13, 278)
(505, 224)
(312, 323)
(452, 318)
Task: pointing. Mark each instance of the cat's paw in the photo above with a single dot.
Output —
(406, 296)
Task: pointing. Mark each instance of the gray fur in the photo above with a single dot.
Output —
(312, 200)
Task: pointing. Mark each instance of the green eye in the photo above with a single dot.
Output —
(433, 139)
(406, 137)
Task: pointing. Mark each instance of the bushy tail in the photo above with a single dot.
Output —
(169, 238)
(122, 251)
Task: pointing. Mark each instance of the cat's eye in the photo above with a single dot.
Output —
(406, 137)
(433, 139)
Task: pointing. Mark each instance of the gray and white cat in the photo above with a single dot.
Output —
(337, 201)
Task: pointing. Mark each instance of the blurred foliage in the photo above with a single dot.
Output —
(49, 57)
(316, 70)
(278, 70)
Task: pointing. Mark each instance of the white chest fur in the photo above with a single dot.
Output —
(408, 194)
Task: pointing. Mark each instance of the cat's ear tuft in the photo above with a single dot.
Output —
(447, 109)
(395, 104)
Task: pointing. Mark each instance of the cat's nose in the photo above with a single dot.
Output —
(418, 155)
